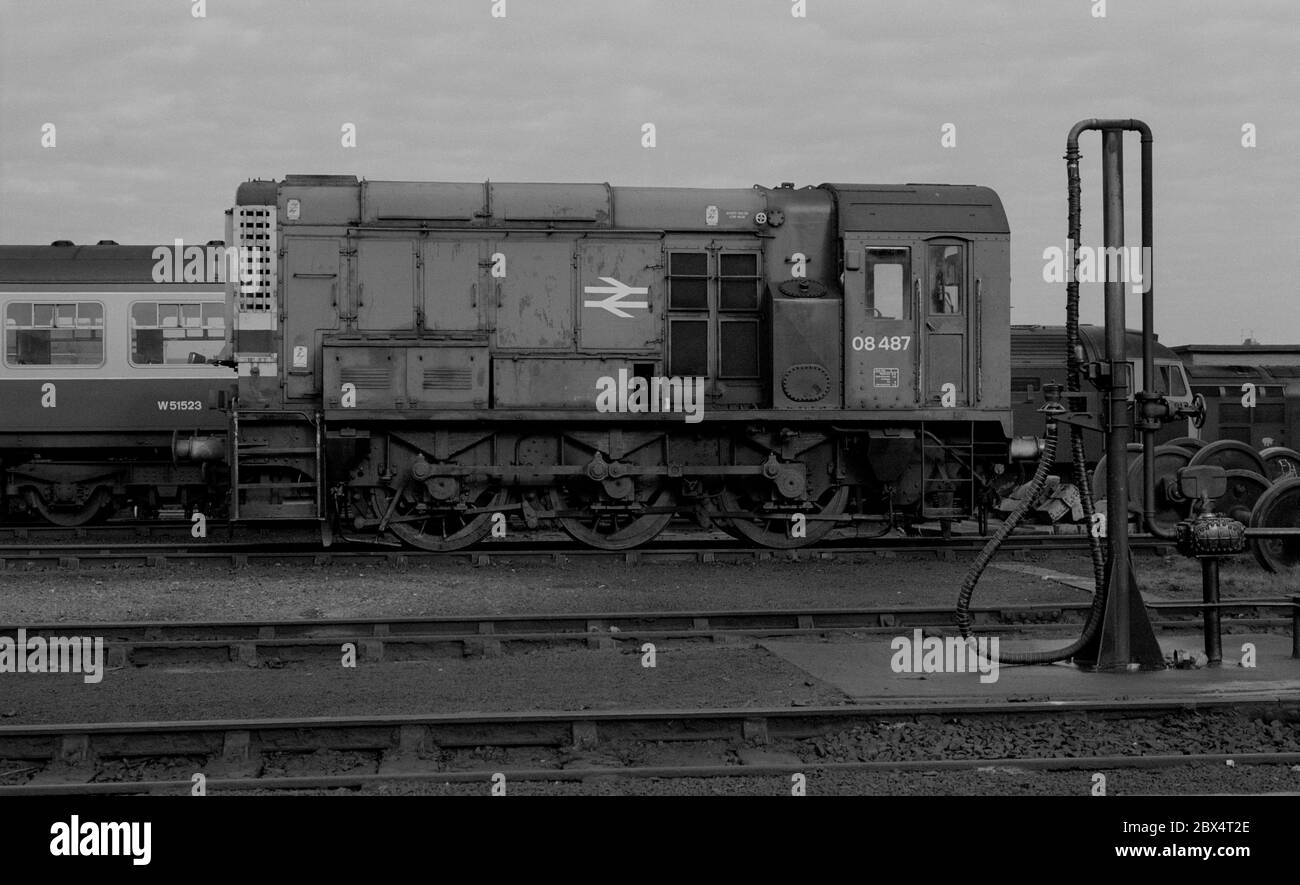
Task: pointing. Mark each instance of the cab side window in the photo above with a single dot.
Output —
(888, 272)
(947, 270)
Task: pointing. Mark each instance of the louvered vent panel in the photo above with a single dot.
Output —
(448, 379)
(1038, 347)
(367, 378)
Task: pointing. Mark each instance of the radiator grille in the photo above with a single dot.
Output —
(254, 234)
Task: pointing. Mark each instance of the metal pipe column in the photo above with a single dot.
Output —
(1118, 428)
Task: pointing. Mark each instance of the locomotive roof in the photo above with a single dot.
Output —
(930, 208)
(1230, 374)
(1241, 349)
(919, 207)
(1034, 345)
(77, 264)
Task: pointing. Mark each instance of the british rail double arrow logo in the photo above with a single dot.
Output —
(616, 292)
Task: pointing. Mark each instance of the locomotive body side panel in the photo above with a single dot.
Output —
(611, 274)
(534, 300)
(385, 286)
(992, 329)
(804, 286)
(452, 288)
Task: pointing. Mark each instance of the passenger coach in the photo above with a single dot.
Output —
(106, 384)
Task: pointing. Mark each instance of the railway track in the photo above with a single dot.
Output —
(87, 758)
(72, 554)
(255, 643)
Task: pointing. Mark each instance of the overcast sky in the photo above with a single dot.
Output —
(159, 115)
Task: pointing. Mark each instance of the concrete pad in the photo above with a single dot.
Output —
(862, 669)
(1047, 574)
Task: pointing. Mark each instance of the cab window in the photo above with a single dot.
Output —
(947, 270)
(888, 271)
(1168, 379)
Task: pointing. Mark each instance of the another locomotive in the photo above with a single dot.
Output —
(1038, 358)
(433, 359)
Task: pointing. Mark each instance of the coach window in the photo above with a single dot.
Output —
(947, 267)
(54, 334)
(888, 271)
(165, 334)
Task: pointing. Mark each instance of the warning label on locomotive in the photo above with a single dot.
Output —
(884, 377)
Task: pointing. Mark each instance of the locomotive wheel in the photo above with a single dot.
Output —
(1245, 488)
(1099, 472)
(437, 528)
(1230, 455)
(72, 517)
(1280, 462)
(1279, 507)
(773, 529)
(613, 526)
(1191, 443)
(1168, 511)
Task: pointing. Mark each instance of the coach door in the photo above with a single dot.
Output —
(945, 308)
(880, 344)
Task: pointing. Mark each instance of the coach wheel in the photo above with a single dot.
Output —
(1280, 462)
(1230, 455)
(1170, 508)
(70, 517)
(618, 517)
(1279, 507)
(1245, 488)
(432, 525)
(1191, 443)
(777, 528)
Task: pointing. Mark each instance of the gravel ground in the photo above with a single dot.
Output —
(1174, 781)
(552, 679)
(349, 590)
(178, 593)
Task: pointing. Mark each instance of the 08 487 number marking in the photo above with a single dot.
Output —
(884, 342)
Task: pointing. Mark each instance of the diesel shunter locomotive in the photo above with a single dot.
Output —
(437, 361)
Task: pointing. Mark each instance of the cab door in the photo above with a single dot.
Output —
(945, 311)
(880, 331)
(312, 291)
